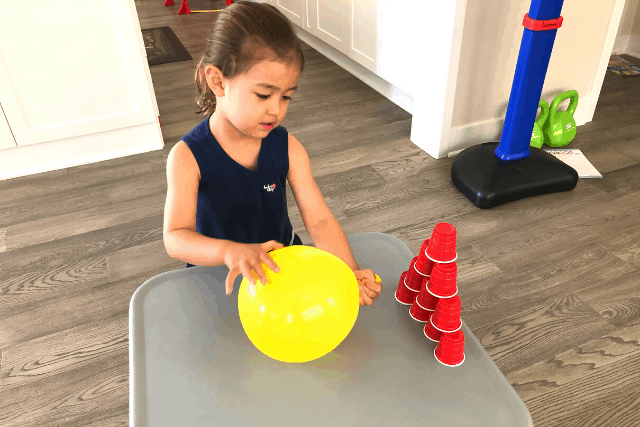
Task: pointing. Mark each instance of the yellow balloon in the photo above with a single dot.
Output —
(305, 310)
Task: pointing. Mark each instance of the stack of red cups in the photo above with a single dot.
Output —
(445, 322)
(424, 304)
(435, 301)
(412, 281)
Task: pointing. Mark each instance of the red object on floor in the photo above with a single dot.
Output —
(168, 3)
(184, 8)
(229, 2)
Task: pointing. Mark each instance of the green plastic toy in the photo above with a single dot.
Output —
(537, 136)
(560, 129)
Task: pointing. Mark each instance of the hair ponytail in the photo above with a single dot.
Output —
(206, 101)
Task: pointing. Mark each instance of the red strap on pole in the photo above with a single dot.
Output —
(535, 25)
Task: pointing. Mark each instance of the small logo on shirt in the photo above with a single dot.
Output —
(270, 188)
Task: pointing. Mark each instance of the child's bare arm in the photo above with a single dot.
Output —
(194, 248)
(179, 231)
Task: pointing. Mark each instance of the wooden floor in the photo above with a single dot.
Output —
(550, 285)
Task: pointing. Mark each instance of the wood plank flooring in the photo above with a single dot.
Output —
(550, 285)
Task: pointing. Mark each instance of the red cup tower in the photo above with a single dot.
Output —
(429, 286)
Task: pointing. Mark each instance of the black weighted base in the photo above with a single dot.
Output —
(489, 181)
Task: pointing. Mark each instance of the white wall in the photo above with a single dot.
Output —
(628, 39)
(492, 34)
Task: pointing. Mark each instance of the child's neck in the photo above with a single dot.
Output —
(223, 130)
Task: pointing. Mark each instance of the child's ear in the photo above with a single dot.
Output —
(215, 79)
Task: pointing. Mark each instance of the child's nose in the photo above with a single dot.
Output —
(276, 107)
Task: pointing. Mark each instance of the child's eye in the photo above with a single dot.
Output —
(288, 98)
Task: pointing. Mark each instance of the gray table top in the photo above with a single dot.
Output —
(191, 364)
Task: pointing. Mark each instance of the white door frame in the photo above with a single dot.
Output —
(603, 63)
(433, 105)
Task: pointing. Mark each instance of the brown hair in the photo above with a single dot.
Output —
(240, 25)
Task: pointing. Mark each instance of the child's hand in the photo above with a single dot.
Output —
(245, 258)
(369, 288)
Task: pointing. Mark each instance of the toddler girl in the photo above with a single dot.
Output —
(227, 177)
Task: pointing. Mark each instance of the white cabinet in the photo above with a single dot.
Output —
(350, 26)
(330, 20)
(365, 30)
(408, 51)
(6, 137)
(292, 9)
(74, 81)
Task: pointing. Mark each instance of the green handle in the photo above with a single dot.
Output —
(573, 104)
(544, 105)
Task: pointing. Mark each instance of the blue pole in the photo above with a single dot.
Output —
(531, 69)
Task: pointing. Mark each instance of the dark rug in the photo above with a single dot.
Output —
(163, 46)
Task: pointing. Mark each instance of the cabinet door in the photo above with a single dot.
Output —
(6, 137)
(364, 33)
(71, 68)
(292, 9)
(330, 21)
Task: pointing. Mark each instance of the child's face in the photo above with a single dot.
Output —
(260, 95)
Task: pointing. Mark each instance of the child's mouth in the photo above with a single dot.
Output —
(266, 125)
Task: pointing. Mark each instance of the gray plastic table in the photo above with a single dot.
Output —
(191, 364)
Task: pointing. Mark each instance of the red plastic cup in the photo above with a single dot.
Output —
(403, 276)
(426, 299)
(403, 294)
(442, 245)
(442, 283)
(405, 298)
(424, 265)
(450, 349)
(446, 317)
(414, 279)
(425, 277)
(418, 313)
(432, 333)
(423, 248)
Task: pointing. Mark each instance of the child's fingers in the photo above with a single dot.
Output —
(247, 272)
(256, 271)
(371, 283)
(371, 276)
(370, 293)
(228, 284)
(364, 297)
(271, 263)
(374, 286)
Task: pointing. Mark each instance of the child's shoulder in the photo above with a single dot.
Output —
(200, 133)
(182, 161)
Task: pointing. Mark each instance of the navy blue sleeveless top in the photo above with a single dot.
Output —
(238, 204)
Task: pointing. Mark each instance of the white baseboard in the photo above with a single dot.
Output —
(491, 130)
(65, 153)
